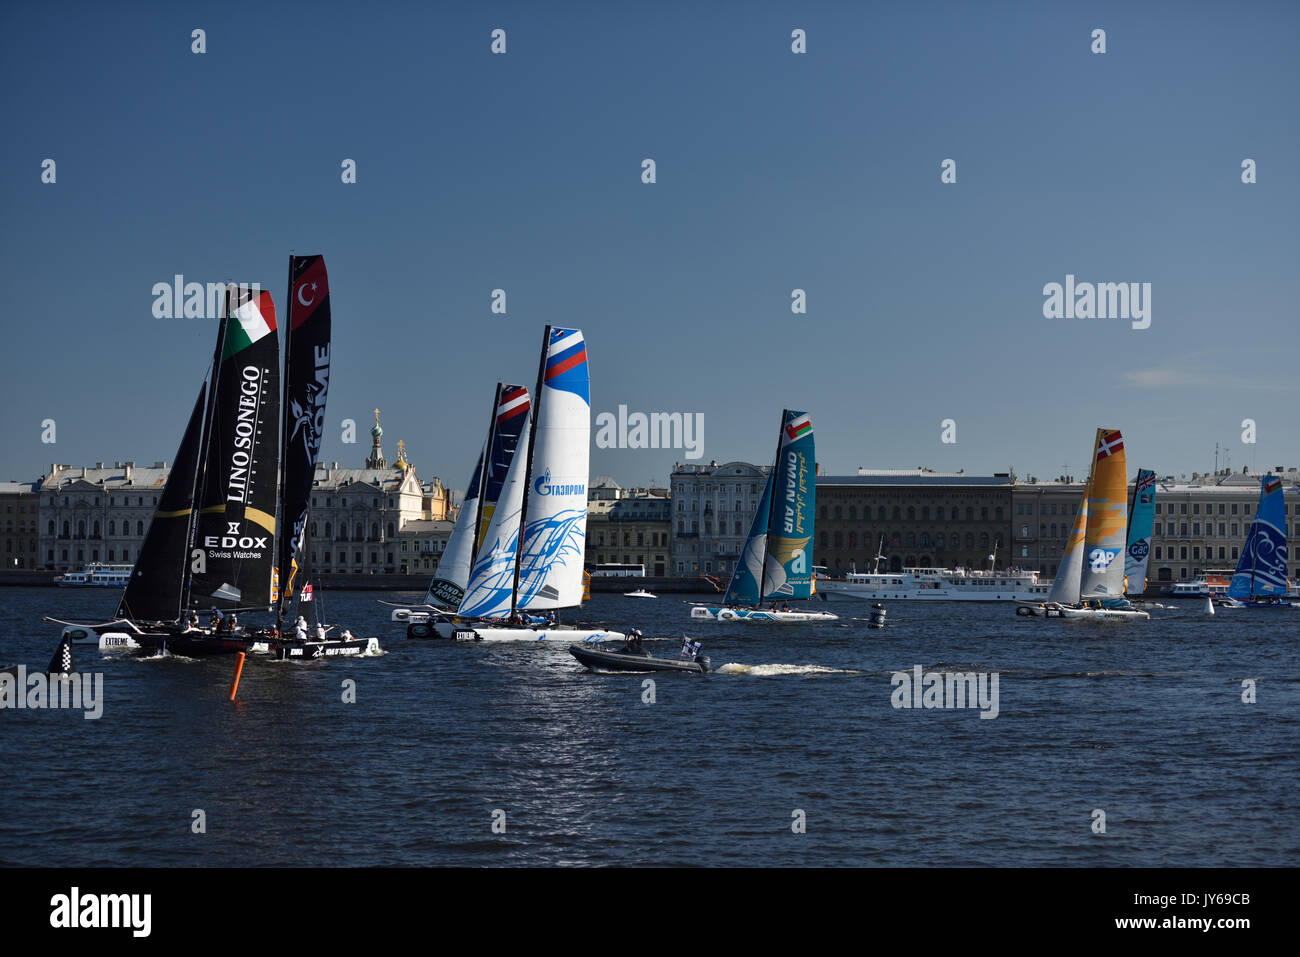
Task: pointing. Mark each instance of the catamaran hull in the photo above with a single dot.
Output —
(312, 650)
(707, 613)
(1094, 614)
(471, 631)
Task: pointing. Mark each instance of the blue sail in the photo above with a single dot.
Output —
(1262, 567)
(1140, 524)
(744, 587)
(787, 573)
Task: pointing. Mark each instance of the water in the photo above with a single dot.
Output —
(1142, 720)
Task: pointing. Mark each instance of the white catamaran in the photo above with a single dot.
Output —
(510, 405)
(1095, 589)
(529, 561)
(776, 564)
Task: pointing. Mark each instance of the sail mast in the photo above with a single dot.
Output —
(528, 473)
(280, 516)
(771, 510)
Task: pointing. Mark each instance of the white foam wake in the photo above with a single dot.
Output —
(763, 671)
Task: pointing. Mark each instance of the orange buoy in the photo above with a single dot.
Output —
(239, 670)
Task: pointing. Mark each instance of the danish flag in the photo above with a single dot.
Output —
(1109, 444)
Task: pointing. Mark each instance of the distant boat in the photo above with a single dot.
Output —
(1260, 580)
(96, 575)
(639, 593)
(776, 563)
(1094, 589)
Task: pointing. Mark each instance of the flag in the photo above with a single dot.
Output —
(690, 649)
(306, 593)
(799, 427)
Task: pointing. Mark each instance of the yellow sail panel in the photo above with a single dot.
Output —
(1103, 567)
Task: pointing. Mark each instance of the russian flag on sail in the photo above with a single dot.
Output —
(514, 401)
(566, 358)
(797, 428)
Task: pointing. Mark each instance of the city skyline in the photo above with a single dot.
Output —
(776, 171)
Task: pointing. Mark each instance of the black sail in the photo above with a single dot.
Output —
(233, 559)
(306, 387)
(156, 589)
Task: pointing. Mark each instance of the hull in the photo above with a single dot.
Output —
(912, 593)
(485, 631)
(709, 613)
(596, 660)
(312, 650)
(1092, 614)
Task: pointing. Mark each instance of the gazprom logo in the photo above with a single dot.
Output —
(543, 486)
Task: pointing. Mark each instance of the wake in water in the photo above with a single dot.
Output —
(763, 671)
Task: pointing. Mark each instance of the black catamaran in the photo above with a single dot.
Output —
(212, 545)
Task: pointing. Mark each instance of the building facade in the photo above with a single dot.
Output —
(633, 529)
(1201, 524)
(20, 505)
(421, 544)
(711, 508)
(913, 518)
(97, 514)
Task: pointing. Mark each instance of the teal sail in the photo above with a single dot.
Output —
(776, 562)
(744, 587)
(1261, 570)
(787, 573)
(1142, 517)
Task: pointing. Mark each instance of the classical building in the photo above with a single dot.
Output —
(20, 503)
(712, 507)
(915, 517)
(1042, 515)
(421, 544)
(358, 515)
(629, 527)
(1201, 524)
(97, 514)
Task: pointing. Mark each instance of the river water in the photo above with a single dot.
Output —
(792, 752)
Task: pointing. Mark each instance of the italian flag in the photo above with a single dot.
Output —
(249, 323)
(799, 427)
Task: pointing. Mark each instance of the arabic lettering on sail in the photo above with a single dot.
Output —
(1267, 549)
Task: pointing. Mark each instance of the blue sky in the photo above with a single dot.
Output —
(775, 171)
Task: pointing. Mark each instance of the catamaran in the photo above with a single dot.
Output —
(1141, 522)
(306, 388)
(776, 562)
(212, 541)
(447, 588)
(1260, 580)
(529, 562)
(1095, 589)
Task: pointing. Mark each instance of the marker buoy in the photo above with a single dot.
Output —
(1209, 605)
(239, 670)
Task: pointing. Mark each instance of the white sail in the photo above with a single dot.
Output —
(452, 573)
(492, 578)
(550, 562)
(1069, 574)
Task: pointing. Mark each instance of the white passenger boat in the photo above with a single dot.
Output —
(937, 584)
(96, 575)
